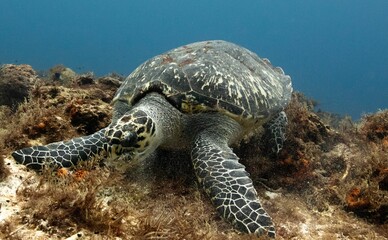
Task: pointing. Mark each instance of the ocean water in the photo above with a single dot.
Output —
(335, 51)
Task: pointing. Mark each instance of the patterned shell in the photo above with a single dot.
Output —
(211, 76)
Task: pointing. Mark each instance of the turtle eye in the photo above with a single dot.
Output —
(130, 140)
(114, 141)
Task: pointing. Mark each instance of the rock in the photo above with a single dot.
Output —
(62, 74)
(15, 83)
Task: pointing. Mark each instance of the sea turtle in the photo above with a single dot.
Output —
(205, 96)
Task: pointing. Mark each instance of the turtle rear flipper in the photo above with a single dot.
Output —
(62, 154)
(229, 186)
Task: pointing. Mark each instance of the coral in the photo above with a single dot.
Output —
(62, 74)
(75, 204)
(375, 127)
(305, 124)
(15, 83)
(80, 174)
(307, 137)
(84, 79)
(63, 172)
(355, 199)
(54, 113)
(88, 115)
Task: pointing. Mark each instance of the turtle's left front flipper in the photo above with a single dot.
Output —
(229, 186)
(62, 154)
(276, 130)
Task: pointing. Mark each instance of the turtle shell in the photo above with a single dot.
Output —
(211, 76)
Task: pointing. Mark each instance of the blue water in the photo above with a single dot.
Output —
(335, 51)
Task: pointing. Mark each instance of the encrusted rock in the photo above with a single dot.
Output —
(15, 83)
(62, 74)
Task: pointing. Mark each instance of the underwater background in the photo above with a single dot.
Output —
(61, 63)
(335, 51)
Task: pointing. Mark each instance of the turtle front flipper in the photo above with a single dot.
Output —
(229, 186)
(63, 154)
(276, 130)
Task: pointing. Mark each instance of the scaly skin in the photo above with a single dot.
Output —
(277, 127)
(229, 186)
(64, 153)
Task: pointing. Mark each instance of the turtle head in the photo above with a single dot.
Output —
(132, 134)
(122, 135)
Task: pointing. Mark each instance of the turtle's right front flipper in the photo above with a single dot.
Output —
(63, 154)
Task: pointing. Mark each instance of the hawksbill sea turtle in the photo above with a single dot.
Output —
(205, 97)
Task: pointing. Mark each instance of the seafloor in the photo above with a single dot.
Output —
(329, 182)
